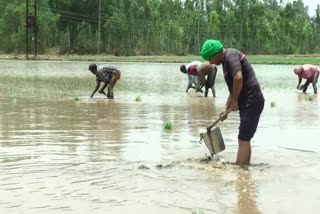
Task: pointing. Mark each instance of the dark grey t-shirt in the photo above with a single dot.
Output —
(235, 61)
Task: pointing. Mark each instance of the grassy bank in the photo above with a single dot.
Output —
(255, 59)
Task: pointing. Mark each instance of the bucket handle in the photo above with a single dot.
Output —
(217, 121)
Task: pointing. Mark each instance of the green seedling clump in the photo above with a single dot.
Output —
(168, 125)
(76, 99)
(197, 212)
(138, 99)
(309, 98)
(143, 167)
(273, 104)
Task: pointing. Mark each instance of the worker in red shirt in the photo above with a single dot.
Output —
(308, 72)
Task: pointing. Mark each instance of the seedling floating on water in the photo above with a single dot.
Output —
(168, 125)
(309, 98)
(197, 212)
(143, 167)
(13, 95)
(273, 104)
(138, 99)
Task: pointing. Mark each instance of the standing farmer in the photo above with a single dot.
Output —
(245, 94)
(308, 72)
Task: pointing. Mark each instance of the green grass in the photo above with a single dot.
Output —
(284, 59)
(255, 59)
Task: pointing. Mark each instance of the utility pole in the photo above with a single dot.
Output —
(31, 23)
(99, 26)
(199, 14)
(35, 30)
(27, 32)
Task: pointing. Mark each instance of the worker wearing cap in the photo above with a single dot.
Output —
(245, 93)
(107, 74)
(308, 72)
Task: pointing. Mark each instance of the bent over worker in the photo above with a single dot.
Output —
(191, 70)
(107, 74)
(200, 75)
(310, 73)
(207, 76)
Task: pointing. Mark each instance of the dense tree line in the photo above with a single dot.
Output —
(152, 27)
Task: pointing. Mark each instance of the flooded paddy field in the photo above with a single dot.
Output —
(62, 152)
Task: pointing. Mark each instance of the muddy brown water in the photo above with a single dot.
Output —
(62, 152)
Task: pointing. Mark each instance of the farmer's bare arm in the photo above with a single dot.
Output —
(223, 114)
(96, 89)
(299, 82)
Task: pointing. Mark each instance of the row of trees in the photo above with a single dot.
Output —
(152, 27)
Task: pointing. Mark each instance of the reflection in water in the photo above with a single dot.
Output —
(61, 154)
(246, 193)
(307, 110)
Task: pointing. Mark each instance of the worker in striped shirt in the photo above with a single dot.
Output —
(107, 74)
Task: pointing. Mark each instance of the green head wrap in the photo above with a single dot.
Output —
(210, 48)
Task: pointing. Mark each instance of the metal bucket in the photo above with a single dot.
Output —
(213, 140)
